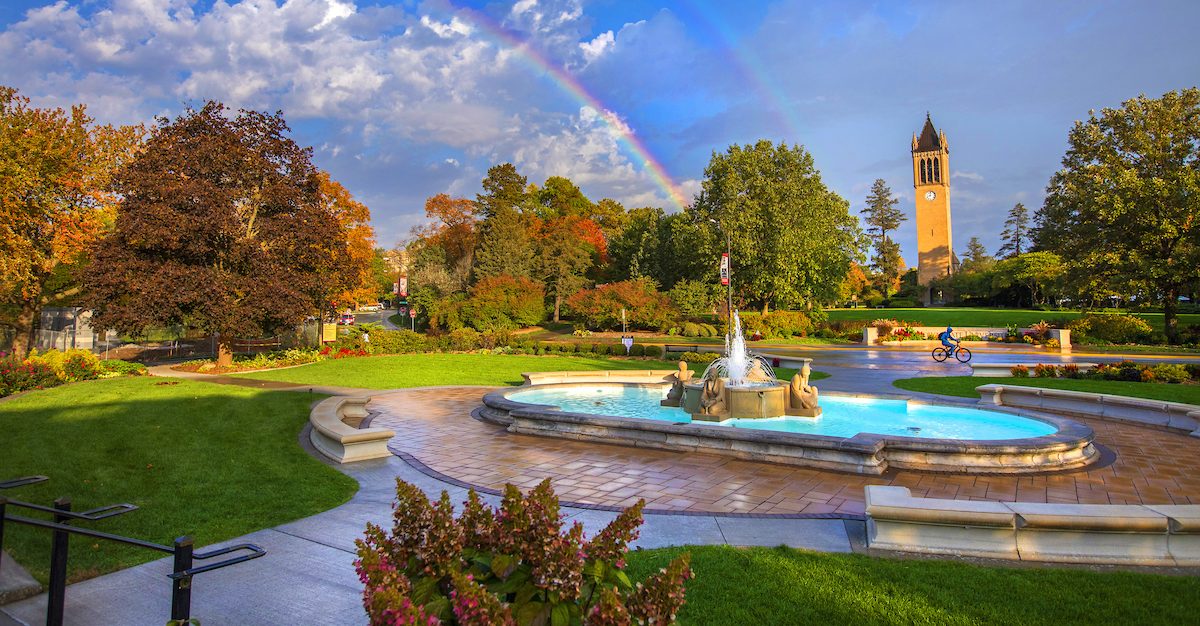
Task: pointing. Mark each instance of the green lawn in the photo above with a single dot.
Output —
(964, 386)
(981, 317)
(212, 461)
(786, 586)
(422, 370)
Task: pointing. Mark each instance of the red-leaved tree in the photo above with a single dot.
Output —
(221, 227)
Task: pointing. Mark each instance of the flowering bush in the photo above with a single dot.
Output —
(509, 565)
(342, 353)
(1044, 370)
(699, 357)
(1019, 371)
(54, 367)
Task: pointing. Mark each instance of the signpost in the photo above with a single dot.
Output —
(412, 318)
(724, 269)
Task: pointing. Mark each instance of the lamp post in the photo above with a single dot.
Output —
(728, 278)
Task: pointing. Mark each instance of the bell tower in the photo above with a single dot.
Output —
(931, 180)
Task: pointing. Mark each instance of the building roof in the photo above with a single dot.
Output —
(929, 139)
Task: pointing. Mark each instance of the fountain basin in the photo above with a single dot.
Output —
(1064, 444)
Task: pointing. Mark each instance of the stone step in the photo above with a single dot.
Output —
(15, 583)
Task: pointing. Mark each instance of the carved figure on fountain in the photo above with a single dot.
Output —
(712, 399)
(675, 396)
(803, 397)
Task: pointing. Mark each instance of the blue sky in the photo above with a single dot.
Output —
(403, 100)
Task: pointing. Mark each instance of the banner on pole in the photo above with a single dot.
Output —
(403, 285)
(724, 269)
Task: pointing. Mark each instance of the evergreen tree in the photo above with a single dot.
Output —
(505, 246)
(882, 214)
(976, 257)
(1016, 232)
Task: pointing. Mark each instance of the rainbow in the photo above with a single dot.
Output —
(571, 85)
(747, 63)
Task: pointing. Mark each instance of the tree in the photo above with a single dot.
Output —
(1016, 233)
(976, 257)
(560, 197)
(882, 214)
(793, 239)
(563, 259)
(56, 198)
(1125, 206)
(354, 277)
(453, 227)
(1034, 271)
(611, 216)
(222, 226)
(505, 246)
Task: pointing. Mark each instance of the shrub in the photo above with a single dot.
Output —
(654, 351)
(397, 342)
(637, 349)
(1071, 370)
(1044, 370)
(68, 365)
(490, 566)
(694, 298)
(1193, 369)
(777, 325)
(1112, 328)
(504, 303)
(1053, 344)
(645, 308)
(691, 329)
(117, 367)
(699, 357)
(463, 340)
(710, 330)
(1170, 372)
(1019, 371)
(569, 348)
(1123, 370)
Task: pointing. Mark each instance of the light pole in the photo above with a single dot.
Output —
(729, 276)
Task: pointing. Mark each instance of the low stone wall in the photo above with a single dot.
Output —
(1172, 415)
(1031, 531)
(336, 434)
(601, 376)
(1003, 370)
(871, 334)
(1071, 447)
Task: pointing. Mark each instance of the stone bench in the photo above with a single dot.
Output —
(1003, 370)
(336, 433)
(1032, 531)
(1172, 415)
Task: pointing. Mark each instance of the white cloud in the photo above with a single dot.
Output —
(454, 27)
(523, 6)
(971, 176)
(596, 47)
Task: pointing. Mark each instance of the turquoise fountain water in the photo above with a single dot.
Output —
(844, 416)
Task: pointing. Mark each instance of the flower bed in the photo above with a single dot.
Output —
(41, 370)
(1171, 373)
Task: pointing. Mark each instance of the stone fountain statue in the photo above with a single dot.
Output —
(802, 397)
(742, 385)
(675, 396)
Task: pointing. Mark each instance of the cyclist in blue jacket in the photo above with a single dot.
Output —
(948, 340)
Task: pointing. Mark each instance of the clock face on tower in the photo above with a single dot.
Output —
(930, 195)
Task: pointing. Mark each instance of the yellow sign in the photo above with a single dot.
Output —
(328, 332)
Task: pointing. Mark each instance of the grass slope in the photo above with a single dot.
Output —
(786, 586)
(964, 386)
(212, 461)
(981, 317)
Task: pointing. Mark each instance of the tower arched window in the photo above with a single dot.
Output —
(923, 170)
(937, 170)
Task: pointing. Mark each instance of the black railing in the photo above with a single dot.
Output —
(60, 526)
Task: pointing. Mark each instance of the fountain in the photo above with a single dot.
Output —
(741, 384)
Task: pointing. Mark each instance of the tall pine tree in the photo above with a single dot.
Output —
(505, 246)
(1016, 232)
(882, 214)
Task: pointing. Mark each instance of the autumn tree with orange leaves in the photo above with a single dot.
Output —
(353, 278)
(56, 199)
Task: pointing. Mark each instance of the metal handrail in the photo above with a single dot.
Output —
(21, 482)
(182, 549)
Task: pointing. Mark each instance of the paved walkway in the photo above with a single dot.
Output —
(307, 576)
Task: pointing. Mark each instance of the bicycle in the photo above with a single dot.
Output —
(941, 353)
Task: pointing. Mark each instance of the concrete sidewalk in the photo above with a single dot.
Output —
(307, 575)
